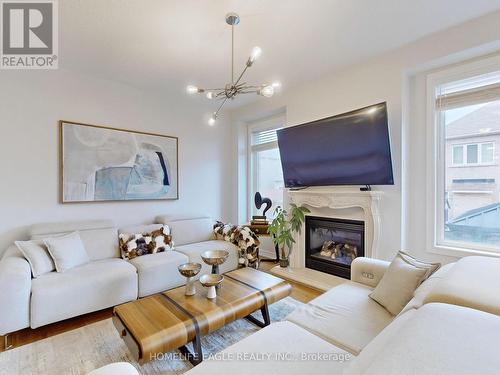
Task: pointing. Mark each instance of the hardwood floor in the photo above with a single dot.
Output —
(25, 336)
(28, 335)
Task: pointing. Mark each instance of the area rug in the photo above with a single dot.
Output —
(98, 344)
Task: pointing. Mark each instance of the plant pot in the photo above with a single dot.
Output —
(284, 263)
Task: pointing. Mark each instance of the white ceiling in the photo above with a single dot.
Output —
(166, 44)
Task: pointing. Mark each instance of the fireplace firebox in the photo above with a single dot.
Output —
(332, 244)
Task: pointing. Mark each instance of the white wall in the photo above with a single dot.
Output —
(390, 78)
(32, 102)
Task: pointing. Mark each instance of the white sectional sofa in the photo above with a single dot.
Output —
(446, 329)
(107, 280)
(346, 316)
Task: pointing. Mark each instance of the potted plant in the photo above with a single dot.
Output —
(284, 226)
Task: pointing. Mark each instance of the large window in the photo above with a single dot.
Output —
(465, 120)
(265, 175)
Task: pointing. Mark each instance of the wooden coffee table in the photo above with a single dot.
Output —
(163, 322)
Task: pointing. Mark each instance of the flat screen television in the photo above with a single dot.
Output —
(348, 149)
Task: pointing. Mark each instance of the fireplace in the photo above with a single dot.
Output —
(332, 244)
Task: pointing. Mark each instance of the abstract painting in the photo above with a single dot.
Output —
(107, 164)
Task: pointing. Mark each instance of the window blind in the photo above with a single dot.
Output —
(264, 136)
(478, 95)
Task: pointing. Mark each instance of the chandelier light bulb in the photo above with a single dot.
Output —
(266, 91)
(256, 52)
(211, 120)
(276, 85)
(210, 95)
(192, 89)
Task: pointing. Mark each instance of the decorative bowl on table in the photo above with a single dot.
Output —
(215, 258)
(210, 281)
(189, 270)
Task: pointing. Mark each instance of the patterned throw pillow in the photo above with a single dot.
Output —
(135, 245)
(241, 236)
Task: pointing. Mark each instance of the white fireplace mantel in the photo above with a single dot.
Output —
(337, 199)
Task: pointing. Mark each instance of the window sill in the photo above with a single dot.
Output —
(473, 165)
(459, 252)
(471, 191)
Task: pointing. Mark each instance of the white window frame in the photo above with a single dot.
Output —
(464, 147)
(436, 161)
(269, 123)
(487, 163)
(460, 147)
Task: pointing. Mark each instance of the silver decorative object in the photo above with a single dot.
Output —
(189, 270)
(215, 258)
(211, 282)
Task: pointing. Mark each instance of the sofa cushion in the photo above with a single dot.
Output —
(158, 272)
(128, 231)
(194, 250)
(67, 251)
(344, 316)
(437, 339)
(425, 288)
(143, 241)
(430, 267)
(91, 287)
(188, 230)
(402, 278)
(281, 348)
(472, 282)
(37, 256)
(100, 237)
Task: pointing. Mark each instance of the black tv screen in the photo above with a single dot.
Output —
(349, 149)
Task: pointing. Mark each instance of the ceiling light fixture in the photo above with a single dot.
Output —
(236, 87)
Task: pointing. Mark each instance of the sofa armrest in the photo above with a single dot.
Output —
(15, 279)
(368, 271)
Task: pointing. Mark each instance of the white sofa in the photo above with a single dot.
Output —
(447, 328)
(107, 280)
(345, 316)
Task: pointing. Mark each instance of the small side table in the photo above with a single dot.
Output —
(261, 230)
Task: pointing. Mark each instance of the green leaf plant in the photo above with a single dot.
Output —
(285, 225)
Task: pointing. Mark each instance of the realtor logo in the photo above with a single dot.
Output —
(29, 34)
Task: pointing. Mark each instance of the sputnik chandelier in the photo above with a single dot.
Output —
(238, 86)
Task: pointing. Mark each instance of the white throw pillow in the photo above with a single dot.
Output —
(67, 251)
(402, 278)
(37, 256)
